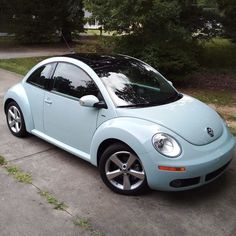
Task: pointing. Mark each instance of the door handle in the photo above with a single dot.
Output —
(48, 101)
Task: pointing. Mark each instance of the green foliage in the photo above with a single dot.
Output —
(19, 175)
(20, 65)
(53, 201)
(36, 21)
(228, 10)
(218, 53)
(85, 224)
(162, 33)
(2, 161)
(221, 98)
(172, 59)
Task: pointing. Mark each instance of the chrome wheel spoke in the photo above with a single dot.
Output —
(131, 160)
(113, 174)
(17, 126)
(126, 182)
(137, 174)
(18, 119)
(15, 112)
(12, 123)
(116, 160)
(12, 115)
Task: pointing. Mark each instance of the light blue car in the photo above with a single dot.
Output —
(121, 115)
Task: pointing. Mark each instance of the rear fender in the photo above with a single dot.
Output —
(18, 94)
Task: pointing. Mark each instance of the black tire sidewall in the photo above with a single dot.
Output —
(102, 163)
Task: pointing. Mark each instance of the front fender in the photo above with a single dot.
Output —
(18, 94)
(136, 133)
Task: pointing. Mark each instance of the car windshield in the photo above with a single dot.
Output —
(132, 83)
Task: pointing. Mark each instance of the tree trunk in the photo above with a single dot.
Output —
(66, 35)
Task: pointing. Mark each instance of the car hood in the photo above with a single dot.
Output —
(187, 117)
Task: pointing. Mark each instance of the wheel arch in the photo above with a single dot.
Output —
(17, 94)
(105, 144)
(8, 101)
(128, 131)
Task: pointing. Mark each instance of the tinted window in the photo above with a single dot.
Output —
(41, 76)
(73, 81)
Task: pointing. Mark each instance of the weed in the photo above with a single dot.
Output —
(19, 175)
(85, 224)
(53, 201)
(2, 161)
(233, 131)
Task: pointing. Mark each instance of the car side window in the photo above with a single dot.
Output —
(41, 76)
(73, 81)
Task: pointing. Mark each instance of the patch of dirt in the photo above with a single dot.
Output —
(209, 80)
(228, 112)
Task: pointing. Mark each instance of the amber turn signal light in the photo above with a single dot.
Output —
(171, 168)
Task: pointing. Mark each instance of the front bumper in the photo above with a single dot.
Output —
(203, 164)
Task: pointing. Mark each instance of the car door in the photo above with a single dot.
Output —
(64, 118)
(35, 87)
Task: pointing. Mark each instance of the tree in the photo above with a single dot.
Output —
(159, 31)
(36, 21)
(5, 16)
(228, 11)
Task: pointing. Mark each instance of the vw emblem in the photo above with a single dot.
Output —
(210, 131)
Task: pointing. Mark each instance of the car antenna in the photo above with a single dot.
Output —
(67, 44)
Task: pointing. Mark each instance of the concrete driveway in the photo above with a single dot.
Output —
(33, 51)
(209, 210)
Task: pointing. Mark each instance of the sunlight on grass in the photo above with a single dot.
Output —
(218, 53)
(213, 97)
(20, 65)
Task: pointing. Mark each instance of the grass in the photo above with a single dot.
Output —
(19, 175)
(2, 161)
(53, 201)
(223, 98)
(84, 223)
(7, 41)
(20, 65)
(218, 53)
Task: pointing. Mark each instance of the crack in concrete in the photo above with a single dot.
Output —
(30, 155)
(39, 190)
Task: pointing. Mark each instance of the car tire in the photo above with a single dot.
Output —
(15, 120)
(122, 171)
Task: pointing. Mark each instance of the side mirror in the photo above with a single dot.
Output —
(91, 101)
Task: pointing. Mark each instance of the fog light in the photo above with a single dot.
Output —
(177, 183)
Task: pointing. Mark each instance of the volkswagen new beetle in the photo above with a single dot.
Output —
(121, 115)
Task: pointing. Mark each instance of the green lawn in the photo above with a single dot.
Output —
(20, 65)
(218, 54)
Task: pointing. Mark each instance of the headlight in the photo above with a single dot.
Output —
(166, 145)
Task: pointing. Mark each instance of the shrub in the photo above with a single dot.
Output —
(174, 59)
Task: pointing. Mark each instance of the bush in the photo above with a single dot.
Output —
(174, 59)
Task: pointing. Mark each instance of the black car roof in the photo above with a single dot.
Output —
(98, 61)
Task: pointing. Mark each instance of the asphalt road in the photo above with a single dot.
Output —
(209, 210)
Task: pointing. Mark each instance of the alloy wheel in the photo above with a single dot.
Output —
(14, 119)
(124, 170)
